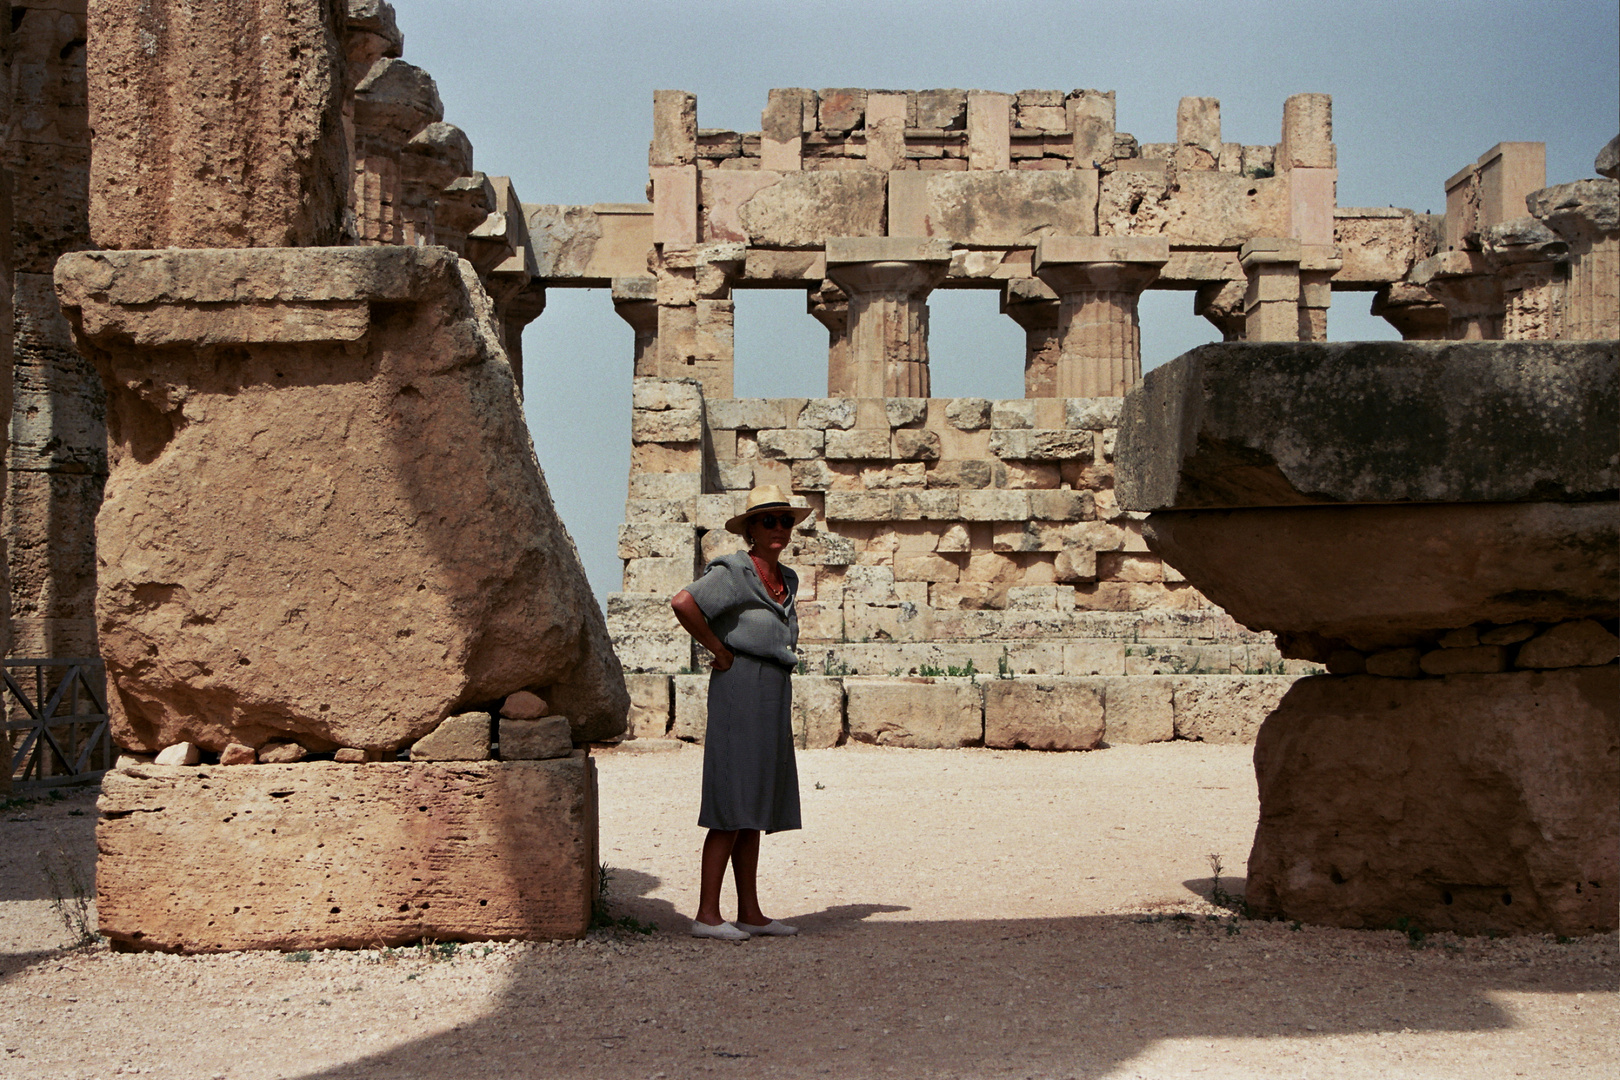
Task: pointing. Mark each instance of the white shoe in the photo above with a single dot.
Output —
(724, 932)
(770, 929)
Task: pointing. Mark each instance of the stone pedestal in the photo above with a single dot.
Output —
(888, 280)
(1271, 304)
(1033, 305)
(1438, 525)
(1098, 281)
(320, 856)
(325, 522)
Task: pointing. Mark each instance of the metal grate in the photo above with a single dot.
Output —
(56, 720)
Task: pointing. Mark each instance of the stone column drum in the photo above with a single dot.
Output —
(1032, 304)
(888, 280)
(1098, 281)
(1438, 524)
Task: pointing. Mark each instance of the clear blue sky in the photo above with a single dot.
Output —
(559, 97)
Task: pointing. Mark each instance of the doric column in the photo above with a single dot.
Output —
(1098, 280)
(1271, 302)
(1032, 304)
(888, 280)
(1586, 215)
(394, 102)
(1463, 281)
(830, 306)
(636, 301)
(518, 312)
(1413, 311)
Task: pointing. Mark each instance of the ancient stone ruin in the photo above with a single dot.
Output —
(325, 543)
(1438, 524)
(268, 460)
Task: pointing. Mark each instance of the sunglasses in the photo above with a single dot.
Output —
(773, 521)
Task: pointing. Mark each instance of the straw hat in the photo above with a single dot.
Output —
(762, 499)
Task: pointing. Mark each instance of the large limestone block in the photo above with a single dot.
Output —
(1047, 713)
(818, 711)
(1194, 208)
(691, 703)
(802, 210)
(216, 125)
(338, 540)
(923, 713)
(312, 856)
(649, 706)
(1226, 709)
(1472, 803)
(1233, 425)
(993, 208)
(1140, 709)
(1387, 576)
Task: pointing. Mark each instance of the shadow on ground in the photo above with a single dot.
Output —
(853, 996)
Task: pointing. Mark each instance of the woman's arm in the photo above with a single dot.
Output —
(691, 617)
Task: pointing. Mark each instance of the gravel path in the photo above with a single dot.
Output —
(966, 913)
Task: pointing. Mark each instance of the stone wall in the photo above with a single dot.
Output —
(950, 537)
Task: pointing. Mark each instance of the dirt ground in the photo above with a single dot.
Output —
(966, 913)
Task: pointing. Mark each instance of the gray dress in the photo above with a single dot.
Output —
(750, 777)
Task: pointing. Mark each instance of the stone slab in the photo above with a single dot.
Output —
(1234, 425)
(922, 713)
(1381, 577)
(1474, 803)
(317, 856)
(1044, 713)
(1226, 709)
(993, 209)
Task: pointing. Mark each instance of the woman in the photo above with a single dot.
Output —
(742, 611)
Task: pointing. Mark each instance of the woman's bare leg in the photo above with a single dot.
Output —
(745, 872)
(717, 851)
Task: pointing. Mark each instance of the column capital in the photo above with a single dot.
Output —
(900, 263)
(1270, 249)
(1113, 263)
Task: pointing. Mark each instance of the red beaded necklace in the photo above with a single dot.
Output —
(778, 589)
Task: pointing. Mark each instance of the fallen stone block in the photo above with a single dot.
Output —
(183, 753)
(524, 706)
(1044, 714)
(281, 753)
(818, 711)
(1581, 643)
(422, 852)
(535, 740)
(916, 712)
(1475, 803)
(459, 738)
(237, 754)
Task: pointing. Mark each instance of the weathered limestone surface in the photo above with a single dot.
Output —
(1280, 425)
(325, 520)
(920, 713)
(1043, 714)
(1489, 803)
(252, 145)
(208, 859)
(1383, 576)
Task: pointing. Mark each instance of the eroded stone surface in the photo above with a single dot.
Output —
(1044, 714)
(1290, 425)
(452, 852)
(325, 519)
(1386, 576)
(253, 146)
(1471, 803)
(923, 713)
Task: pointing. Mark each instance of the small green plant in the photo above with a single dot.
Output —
(1217, 892)
(444, 950)
(602, 918)
(802, 669)
(302, 956)
(1004, 665)
(1296, 926)
(70, 894)
(965, 671)
(1415, 936)
(1259, 172)
(836, 666)
(930, 671)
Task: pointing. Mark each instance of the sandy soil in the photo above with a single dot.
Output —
(966, 914)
